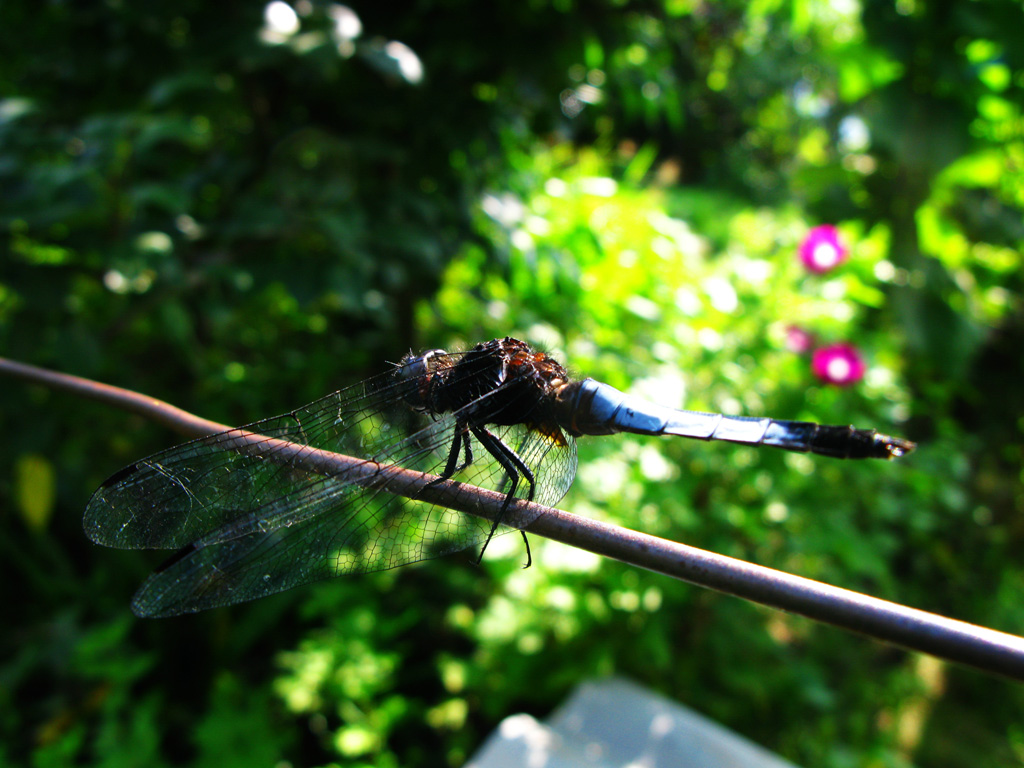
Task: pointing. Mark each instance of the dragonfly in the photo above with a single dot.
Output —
(264, 508)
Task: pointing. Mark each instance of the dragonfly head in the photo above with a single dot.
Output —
(417, 374)
(413, 366)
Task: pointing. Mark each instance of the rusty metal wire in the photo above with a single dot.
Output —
(986, 649)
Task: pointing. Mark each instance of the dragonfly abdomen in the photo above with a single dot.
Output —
(846, 442)
(592, 408)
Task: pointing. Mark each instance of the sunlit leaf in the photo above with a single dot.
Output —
(35, 490)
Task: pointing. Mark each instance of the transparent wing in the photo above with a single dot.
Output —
(180, 495)
(351, 530)
(252, 523)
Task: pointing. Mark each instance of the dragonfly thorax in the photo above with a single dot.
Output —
(503, 382)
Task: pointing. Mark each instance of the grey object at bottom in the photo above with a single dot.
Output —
(615, 723)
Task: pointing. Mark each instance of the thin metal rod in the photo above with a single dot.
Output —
(173, 418)
(985, 649)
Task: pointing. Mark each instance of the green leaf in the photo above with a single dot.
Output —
(35, 490)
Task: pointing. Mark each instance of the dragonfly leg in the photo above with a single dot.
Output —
(460, 440)
(515, 468)
(467, 453)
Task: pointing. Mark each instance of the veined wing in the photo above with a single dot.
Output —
(250, 523)
(185, 493)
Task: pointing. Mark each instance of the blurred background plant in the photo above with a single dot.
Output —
(804, 209)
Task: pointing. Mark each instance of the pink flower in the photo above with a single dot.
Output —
(822, 250)
(798, 339)
(839, 364)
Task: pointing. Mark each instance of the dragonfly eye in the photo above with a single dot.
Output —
(416, 374)
(420, 365)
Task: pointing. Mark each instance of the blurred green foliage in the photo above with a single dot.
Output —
(238, 208)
